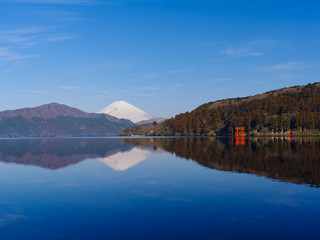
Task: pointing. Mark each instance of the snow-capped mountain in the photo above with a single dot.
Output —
(122, 109)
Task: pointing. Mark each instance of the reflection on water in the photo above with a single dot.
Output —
(58, 153)
(159, 188)
(121, 161)
(240, 140)
(294, 160)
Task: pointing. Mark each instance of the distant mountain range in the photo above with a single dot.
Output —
(275, 112)
(58, 120)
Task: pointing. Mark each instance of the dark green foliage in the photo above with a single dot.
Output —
(62, 126)
(17, 126)
(282, 110)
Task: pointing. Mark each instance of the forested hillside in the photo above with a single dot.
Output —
(295, 108)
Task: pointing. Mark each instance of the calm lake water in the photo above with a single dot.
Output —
(161, 188)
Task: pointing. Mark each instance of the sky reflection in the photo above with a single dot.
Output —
(162, 196)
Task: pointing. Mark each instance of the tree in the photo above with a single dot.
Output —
(265, 119)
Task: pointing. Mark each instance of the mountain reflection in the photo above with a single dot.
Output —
(58, 153)
(122, 161)
(296, 161)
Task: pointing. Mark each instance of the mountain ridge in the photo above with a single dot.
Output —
(238, 100)
(58, 120)
(51, 110)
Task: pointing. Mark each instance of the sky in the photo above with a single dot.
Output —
(163, 56)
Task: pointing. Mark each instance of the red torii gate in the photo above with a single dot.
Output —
(241, 133)
(240, 136)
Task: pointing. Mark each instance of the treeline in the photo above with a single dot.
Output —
(296, 108)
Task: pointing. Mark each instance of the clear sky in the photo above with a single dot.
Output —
(164, 56)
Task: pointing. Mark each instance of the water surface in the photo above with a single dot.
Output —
(162, 188)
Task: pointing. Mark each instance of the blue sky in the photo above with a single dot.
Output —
(164, 56)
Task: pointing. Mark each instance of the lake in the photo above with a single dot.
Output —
(160, 188)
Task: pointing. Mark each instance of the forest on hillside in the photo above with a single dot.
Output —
(296, 108)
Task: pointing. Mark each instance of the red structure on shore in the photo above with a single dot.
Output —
(240, 136)
(241, 133)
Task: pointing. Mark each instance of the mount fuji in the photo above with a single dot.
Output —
(124, 110)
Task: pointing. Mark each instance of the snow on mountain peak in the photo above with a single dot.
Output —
(122, 109)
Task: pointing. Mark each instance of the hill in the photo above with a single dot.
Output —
(57, 120)
(295, 108)
(46, 111)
